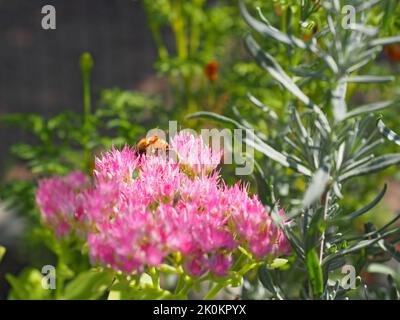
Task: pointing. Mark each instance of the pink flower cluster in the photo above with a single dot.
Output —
(60, 200)
(144, 209)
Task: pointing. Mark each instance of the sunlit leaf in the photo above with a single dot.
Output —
(386, 132)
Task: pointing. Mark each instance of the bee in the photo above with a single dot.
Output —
(152, 146)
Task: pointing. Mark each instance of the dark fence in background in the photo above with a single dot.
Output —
(39, 69)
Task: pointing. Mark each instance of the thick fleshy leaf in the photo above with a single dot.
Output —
(88, 285)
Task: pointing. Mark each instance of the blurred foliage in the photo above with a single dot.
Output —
(326, 86)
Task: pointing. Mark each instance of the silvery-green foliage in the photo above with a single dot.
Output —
(328, 143)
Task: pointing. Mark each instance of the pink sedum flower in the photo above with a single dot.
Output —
(193, 154)
(60, 201)
(143, 208)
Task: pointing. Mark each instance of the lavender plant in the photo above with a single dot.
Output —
(135, 226)
(327, 141)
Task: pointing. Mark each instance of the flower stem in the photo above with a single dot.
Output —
(214, 291)
(325, 201)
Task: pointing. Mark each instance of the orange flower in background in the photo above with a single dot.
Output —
(278, 9)
(393, 51)
(211, 70)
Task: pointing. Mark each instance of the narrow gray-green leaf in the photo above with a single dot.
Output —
(262, 106)
(370, 79)
(255, 142)
(367, 208)
(268, 63)
(367, 5)
(268, 30)
(385, 41)
(367, 30)
(386, 132)
(271, 32)
(217, 117)
(338, 100)
(358, 246)
(377, 164)
(368, 108)
(275, 155)
(380, 268)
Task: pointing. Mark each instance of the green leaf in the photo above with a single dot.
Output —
(268, 63)
(267, 280)
(380, 268)
(120, 290)
(217, 117)
(271, 32)
(255, 142)
(377, 164)
(338, 100)
(152, 294)
(393, 288)
(368, 108)
(387, 133)
(2, 252)
(370, 79)
(88, 285)
(315, 273)
(393, 251)
(385, 41)
(277, 263)
(28, 286)
(358, 246)
(262, 106)
(268, 30)
(369, 206)
(271, 153)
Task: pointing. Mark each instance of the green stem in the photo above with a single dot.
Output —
(155, 277)
(86, 66)
(181, 280)
(326, 207)
(214, 290)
